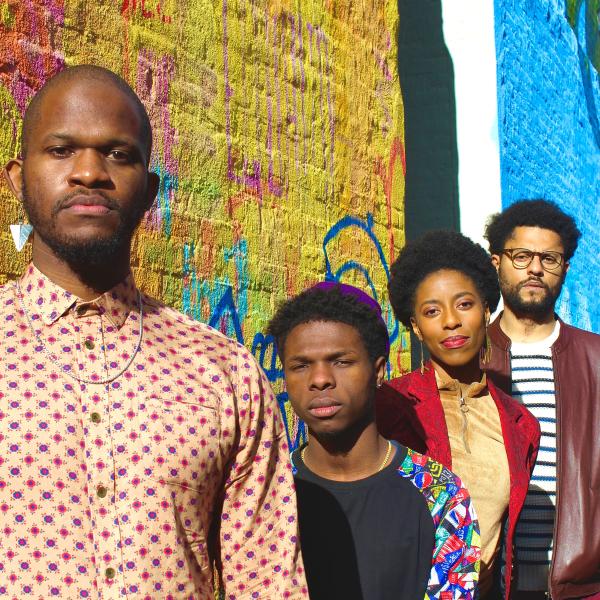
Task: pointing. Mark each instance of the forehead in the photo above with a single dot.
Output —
(445, 283)
(88, 110)
(535, 238)
(318, 338)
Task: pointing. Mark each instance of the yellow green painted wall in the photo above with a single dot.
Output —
(278, 133)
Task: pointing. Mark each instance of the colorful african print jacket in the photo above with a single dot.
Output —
(455, 562)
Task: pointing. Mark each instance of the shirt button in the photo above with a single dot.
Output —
(89, 344)
(101, 491)
(95, 417)
(110, 573)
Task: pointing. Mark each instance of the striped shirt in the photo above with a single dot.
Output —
(533, 385)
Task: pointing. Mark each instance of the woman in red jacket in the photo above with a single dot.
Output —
(444, 286)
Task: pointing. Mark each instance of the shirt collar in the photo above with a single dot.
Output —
(447, 383)
(49, 302)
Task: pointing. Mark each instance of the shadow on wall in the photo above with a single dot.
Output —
(427, 83)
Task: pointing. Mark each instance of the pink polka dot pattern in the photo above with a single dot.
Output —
(171, 477)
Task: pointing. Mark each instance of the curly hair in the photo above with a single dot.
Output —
(435, 251)
(532, 213)
(331, 305)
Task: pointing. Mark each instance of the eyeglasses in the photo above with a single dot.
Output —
(521, 258)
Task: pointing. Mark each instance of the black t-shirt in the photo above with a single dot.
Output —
(370, 539)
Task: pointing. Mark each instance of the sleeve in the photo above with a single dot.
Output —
(259, 552)
(455, 564)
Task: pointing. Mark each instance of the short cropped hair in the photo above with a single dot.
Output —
(532, 213)
(83, 73)
(436, 251)
(331, 305)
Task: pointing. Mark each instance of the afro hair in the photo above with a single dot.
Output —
(332, 305)
(532, 213)
(436, 251)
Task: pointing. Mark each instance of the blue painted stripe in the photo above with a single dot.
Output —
(541, 405)
(531, 357)
(549, 369)
(546, 419)
(545, 463)
(534, 380)
(542, 478)
(525, 392)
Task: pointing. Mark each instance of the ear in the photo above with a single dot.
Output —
(153, 183)
(380, 370)
(496, 261)
(13, 173)
(567, 265)
(416, 329)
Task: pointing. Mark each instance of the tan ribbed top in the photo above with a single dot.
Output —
(479, 459)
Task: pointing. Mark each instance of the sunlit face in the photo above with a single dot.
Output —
(329, 376)
(450, 318)
(531, 291)
(84, 181)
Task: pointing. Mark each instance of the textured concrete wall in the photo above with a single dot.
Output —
(278, 137)
(548, 107)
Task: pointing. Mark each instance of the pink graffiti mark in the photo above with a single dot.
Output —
(30, 49)
(153, 78)
(129, 7)
(250, 177)
(387, 177)
(320, 37)
(302, 89)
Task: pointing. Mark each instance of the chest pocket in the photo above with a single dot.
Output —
(177, 442)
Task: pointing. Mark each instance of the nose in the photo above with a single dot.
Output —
(451, 319)
(535, 266)
(89, 169)
(321, 377)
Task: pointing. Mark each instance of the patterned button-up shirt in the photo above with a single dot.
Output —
(155, 485)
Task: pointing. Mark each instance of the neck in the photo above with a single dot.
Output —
(85, 282)
(346, 458)
(520, 327)
(465, 374)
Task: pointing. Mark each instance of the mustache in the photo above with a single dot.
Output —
(110, 202)
(533, 280)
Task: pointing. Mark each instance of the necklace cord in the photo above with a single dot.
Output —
(67, 370)
(381, 466)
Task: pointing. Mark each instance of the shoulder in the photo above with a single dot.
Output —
(434, 480)
(185, 326)
(580, 336)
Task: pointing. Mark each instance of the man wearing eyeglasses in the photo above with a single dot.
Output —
(554, 369)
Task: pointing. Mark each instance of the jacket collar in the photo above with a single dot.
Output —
(47, 301)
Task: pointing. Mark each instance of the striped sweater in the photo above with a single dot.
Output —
(533, 385)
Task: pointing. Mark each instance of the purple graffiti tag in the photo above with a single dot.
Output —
(330, 109)
(320, 36)
(302, 90)
(294, 100)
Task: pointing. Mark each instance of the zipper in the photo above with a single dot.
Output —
(464, 409)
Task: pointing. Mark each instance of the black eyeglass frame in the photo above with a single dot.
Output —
(553, 253)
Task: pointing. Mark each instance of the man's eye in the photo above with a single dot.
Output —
(343, 362)
(119, 155)
(59, 151)
(549, 259)
(522, 256)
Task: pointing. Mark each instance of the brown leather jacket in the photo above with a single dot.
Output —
(575, 569)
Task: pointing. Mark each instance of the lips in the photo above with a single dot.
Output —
(533, 283)
(455, 341)
(88, 204)
(324, 408)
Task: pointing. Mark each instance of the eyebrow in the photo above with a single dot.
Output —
(332, 356)
(66, 137)
(455, 297)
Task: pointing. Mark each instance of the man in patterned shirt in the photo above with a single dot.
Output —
(141, 452)
(377, 520)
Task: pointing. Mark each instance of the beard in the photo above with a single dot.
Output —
(534, 308)
(83, 254)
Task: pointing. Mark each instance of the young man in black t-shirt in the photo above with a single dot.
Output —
(377, 520)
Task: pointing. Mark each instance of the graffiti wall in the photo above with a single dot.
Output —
(549, 109)
(279, 139)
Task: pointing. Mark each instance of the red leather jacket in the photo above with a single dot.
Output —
(409, 410)
(575, 569)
